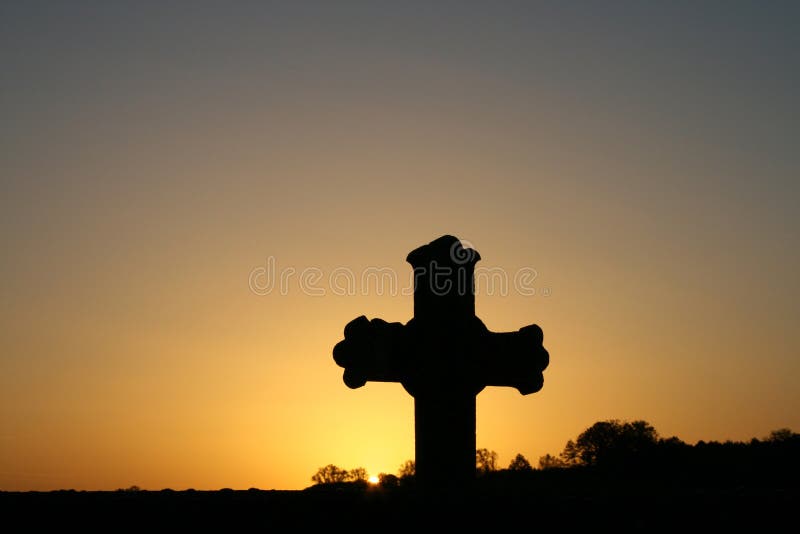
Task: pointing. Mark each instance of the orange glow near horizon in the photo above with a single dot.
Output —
(153, 159)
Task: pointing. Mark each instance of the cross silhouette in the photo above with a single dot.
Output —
(443, 357)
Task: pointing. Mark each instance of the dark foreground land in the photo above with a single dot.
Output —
(567, 500)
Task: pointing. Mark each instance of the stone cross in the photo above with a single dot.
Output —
(443, 357)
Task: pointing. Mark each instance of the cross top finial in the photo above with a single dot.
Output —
(444, 280)
(446, 250)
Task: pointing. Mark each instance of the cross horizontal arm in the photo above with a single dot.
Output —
(514, 359)
(377, 351)
(371, 351)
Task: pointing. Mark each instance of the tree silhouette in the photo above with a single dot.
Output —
(548, 461)
(359, 474)
(569, 456)
(330, 474)
(387, 480)
(407, 469)
(610, 442)
(520, 463)
(485, 461)
(781, 435)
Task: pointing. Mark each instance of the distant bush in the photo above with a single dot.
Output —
(407, 469)
(485, 461)
(519, 463)
(331, 474)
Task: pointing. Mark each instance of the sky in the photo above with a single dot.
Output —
(636, 161)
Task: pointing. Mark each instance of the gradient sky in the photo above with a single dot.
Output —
(642, 157)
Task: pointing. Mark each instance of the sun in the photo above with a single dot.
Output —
(373, 480)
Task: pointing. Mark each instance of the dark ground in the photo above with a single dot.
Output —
(566, 500)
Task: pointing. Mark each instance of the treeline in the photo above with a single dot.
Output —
(635, 447)
(335, 475)
(628, 449)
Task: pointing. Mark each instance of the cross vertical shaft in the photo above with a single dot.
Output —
(445, 438)
(444, 396)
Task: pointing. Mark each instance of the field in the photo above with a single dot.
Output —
(572, 501)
